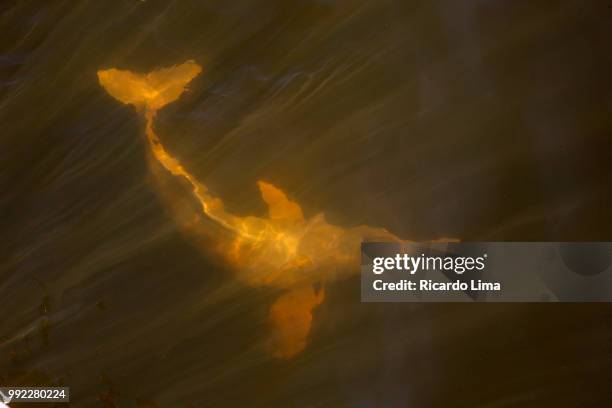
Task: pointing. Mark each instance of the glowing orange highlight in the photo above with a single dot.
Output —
(284, 250)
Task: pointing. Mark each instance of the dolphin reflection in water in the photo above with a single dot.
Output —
(283, 251)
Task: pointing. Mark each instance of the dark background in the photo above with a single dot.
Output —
(481, 120)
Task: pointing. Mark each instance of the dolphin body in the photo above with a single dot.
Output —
(283, 251)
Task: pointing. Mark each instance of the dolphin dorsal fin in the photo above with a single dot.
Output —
(279, 206)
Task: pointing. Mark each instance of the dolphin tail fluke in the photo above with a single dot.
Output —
(149, 92)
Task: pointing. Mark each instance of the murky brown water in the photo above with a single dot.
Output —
(481, 120)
